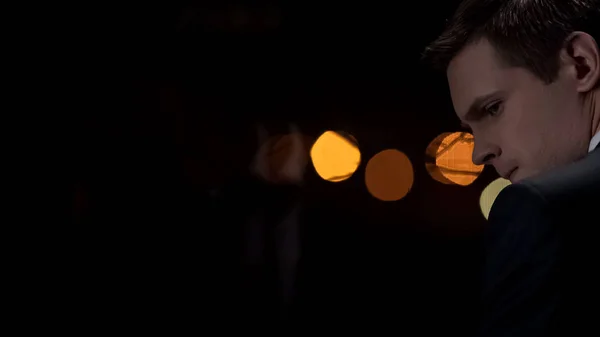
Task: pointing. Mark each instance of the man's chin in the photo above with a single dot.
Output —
(519, 175)
(514, 176)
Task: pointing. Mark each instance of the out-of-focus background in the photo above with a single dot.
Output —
(251, 165)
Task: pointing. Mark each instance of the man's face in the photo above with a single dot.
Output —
(522, 126)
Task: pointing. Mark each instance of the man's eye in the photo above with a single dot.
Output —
(493, 109)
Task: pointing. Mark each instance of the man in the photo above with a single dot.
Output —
(524, 76)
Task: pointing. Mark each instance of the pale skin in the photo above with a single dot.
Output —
(522, 125)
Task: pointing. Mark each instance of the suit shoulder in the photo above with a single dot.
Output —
(516, 199)
(521, 215)
(578, 180)
(559, 200)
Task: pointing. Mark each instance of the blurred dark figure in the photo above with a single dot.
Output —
(272, 232)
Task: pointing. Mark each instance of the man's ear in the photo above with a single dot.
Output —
(583, 54)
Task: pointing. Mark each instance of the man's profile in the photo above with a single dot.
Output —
(524, 76)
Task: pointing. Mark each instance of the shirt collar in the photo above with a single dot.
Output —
(594, 142)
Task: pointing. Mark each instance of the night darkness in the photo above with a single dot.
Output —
(161, 188)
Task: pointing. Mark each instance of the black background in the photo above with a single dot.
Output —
(168, 98)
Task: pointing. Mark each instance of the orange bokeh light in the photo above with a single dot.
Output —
(389, 175)
(335, 156)
(450, 159)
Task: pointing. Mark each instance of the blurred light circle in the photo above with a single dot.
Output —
(449, 159)
(334, 156)
(283, 159)
(490, 193)
(389, 175)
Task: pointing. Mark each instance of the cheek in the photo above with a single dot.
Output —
(514, 120)
(519, 130)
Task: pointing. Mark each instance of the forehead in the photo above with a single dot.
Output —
(474, 72)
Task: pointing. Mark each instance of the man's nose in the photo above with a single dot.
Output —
(484, 153)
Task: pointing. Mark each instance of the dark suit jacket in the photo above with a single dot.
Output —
(542, 255)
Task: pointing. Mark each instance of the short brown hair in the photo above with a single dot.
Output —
(526, 33)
